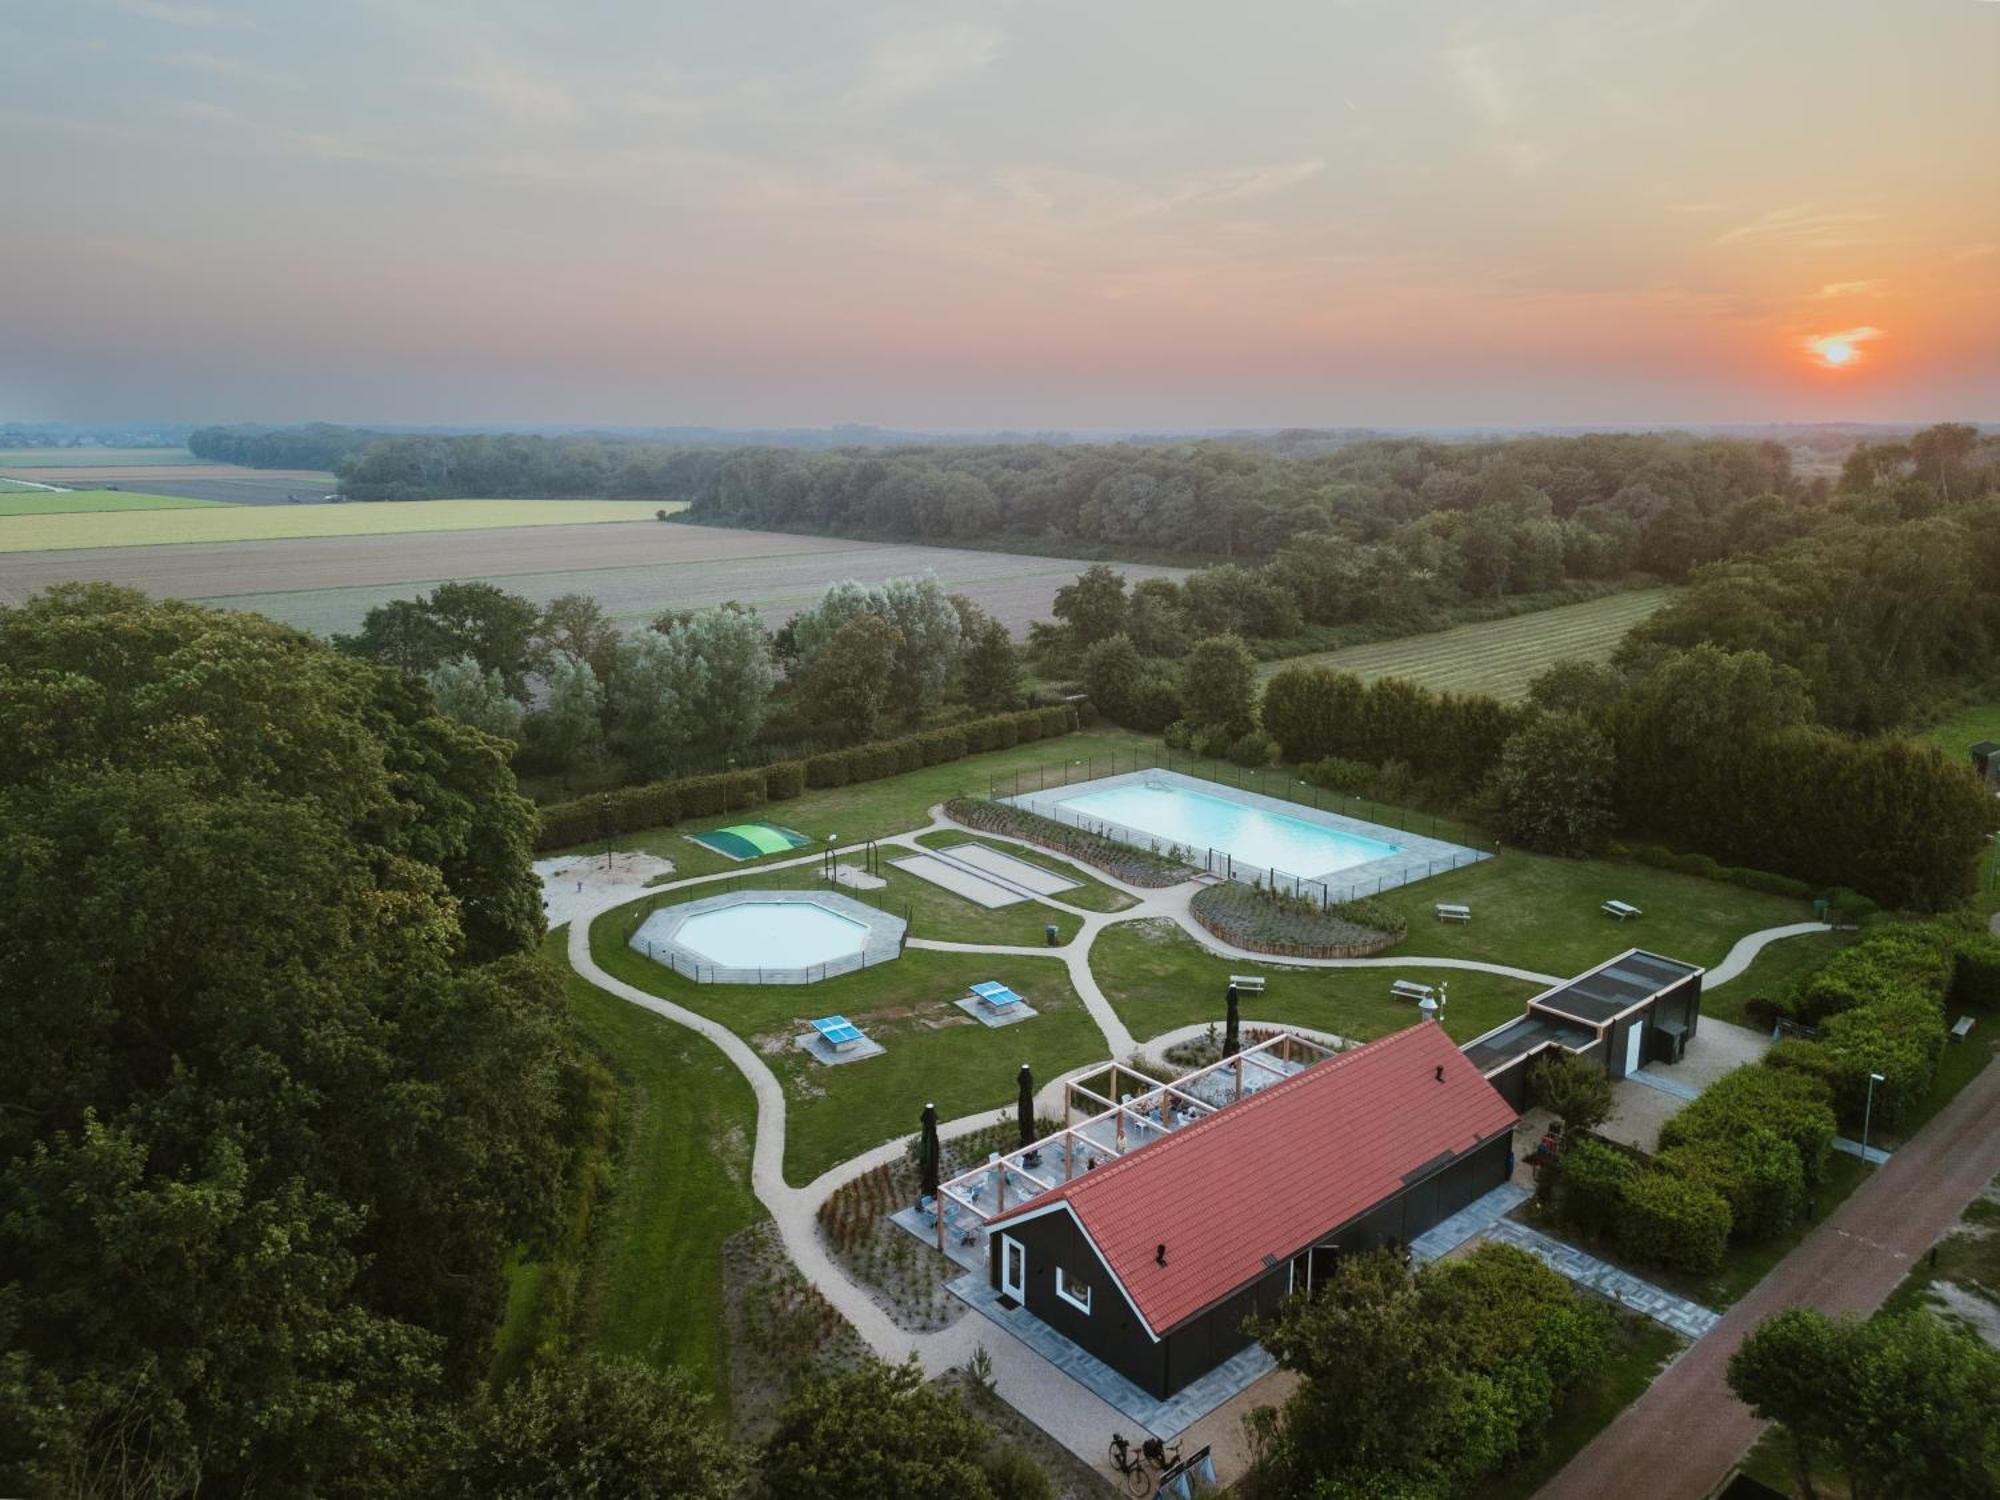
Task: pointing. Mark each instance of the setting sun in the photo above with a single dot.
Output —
(1837, 351)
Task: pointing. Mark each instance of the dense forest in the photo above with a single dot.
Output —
(318, 445)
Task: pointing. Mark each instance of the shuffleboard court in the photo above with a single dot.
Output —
(633, 569)
(242, 523)
(1497, 657)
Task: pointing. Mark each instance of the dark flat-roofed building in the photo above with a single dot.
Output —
(1634, 1009)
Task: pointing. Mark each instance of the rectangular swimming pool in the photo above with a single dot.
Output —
(1201, 821)
(1247, 835)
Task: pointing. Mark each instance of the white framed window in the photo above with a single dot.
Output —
(1075, 1293)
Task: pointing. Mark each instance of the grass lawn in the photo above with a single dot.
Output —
(1158, 978)
(1967, 727)
(935, 1051)
(1968, 1257)
(1091, 895)
(1640, 1349)
(74, 502)
(1538, 912)
(1773, 973)
(1498, 657)
(651, 1282)
(249, 523)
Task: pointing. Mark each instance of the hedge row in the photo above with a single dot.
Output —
(1314, 712)
(1737, 1163)
(1132, 865)
(1250, 917)
(1710, 868)
(1880, 1008)
(934, 747)
(659, 804)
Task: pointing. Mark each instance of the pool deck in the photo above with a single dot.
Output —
(1415, 857)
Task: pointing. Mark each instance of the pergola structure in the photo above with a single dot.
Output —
(1112, 1124)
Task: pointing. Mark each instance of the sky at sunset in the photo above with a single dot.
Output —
(1090, 214)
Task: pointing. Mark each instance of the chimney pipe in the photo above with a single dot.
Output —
(1159, 1255)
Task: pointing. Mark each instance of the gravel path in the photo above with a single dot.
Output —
(1687, 1430)
(1747, 948)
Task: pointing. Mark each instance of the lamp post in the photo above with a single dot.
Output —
(1867, 1113)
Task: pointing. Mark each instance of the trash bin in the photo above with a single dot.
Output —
(1820, 909)
(1054, 937)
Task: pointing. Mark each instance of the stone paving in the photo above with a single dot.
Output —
(1664, 1084)
(1689, 1319)
(1163, 1419)
(1469, 1222)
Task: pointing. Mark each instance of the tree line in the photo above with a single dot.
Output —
(697, 690)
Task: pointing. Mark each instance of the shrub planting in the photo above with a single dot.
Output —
(1267, 921)
(1673, 1221)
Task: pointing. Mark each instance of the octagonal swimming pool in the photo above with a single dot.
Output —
(769, 937)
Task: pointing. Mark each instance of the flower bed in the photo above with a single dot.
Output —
(1264, 921)
(1133, 866)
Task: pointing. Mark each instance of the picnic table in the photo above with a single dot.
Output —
(1621, 909)
(1409, 989)
(1451, 911)
(1249, 984)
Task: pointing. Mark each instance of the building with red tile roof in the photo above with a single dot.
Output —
(1153, 1261)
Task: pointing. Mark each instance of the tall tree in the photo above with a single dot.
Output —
(1219, 682)
(596, 1429)
(879, 1430)
(992, 669)
(656, 697)
(846, 686)
(268, 1137)
(473, 695)
(1552, 788)
(1093, 607)
(728, 651)
(569, 726)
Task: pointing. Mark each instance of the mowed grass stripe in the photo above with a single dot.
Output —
(26, 502)
(245, 523)
(1498, 657)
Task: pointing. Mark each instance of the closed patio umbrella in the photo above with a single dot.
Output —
(1231, 1043)
(1024, 1108)
(927, 1155)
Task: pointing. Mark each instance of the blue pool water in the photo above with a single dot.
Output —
(773, 934)
(1197, 821)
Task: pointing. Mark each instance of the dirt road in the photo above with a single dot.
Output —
(1678, 1440)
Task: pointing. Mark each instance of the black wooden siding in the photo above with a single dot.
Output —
(1112, 1330)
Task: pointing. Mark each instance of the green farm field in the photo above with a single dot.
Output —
(26, 502)
(93, 458)
(244, 523)
(1498, 657)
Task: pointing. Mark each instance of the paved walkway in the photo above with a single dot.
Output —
(1469, 1222)
(1740, 957)
(1687, 1430)
(1069, 1412)
(1689, 1319)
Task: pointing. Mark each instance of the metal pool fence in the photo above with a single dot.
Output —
(701, 973)
(1278, 785)
(722, 974)
(1220, 862)
(1033, 780)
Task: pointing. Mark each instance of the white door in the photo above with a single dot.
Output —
(1635, 1041)
(1013, 1269)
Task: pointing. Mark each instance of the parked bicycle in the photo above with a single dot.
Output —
(1138, 1467)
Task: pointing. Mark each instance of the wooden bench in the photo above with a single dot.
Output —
(1248, 984)
(1451, 912)
(1621, 909)
(1961, 1028)
(1409, 989)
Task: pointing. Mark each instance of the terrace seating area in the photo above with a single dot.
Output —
(1100, 1125)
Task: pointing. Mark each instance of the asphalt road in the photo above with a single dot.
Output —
(1679, 1440)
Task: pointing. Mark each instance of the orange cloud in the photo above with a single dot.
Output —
(1839, 351)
